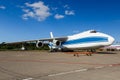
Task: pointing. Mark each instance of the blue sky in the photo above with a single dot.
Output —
(34, 19)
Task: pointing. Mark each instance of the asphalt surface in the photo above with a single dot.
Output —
(38, 65)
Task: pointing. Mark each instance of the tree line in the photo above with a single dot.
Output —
(27, 46)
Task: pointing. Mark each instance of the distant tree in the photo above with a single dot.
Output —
(18, 46)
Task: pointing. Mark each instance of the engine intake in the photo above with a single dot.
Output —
(56, 43)
(39, 44)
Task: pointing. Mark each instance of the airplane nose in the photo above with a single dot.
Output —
(111, 39)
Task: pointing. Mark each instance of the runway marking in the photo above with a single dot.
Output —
(63, 73)
(79, 70)
(28, 79)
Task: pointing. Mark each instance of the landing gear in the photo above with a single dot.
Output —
(53, 50)
(90, 52)
(76, 55)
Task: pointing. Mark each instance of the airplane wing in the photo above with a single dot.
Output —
(57, 38)
(62, 39)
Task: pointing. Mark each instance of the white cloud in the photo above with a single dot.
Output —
(37, 11)
(69, 12)
(66, 6)
(58, 16)
(28, 14)
(2, 7)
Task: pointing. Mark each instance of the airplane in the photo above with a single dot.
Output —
(90, 39)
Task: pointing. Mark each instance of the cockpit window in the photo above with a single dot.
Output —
(93, 31)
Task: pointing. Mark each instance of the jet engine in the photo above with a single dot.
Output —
(39, 44)
(56, 43)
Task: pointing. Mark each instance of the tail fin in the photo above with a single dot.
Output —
(51, 35)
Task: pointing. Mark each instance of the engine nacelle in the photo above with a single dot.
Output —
(39, 44)
(56, 43)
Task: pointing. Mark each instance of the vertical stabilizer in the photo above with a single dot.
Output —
(51, 34)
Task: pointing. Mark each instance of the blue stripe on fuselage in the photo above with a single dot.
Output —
(86, 40)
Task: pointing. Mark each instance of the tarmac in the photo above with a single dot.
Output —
(43, 65)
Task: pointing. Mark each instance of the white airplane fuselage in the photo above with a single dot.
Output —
(87, 40)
